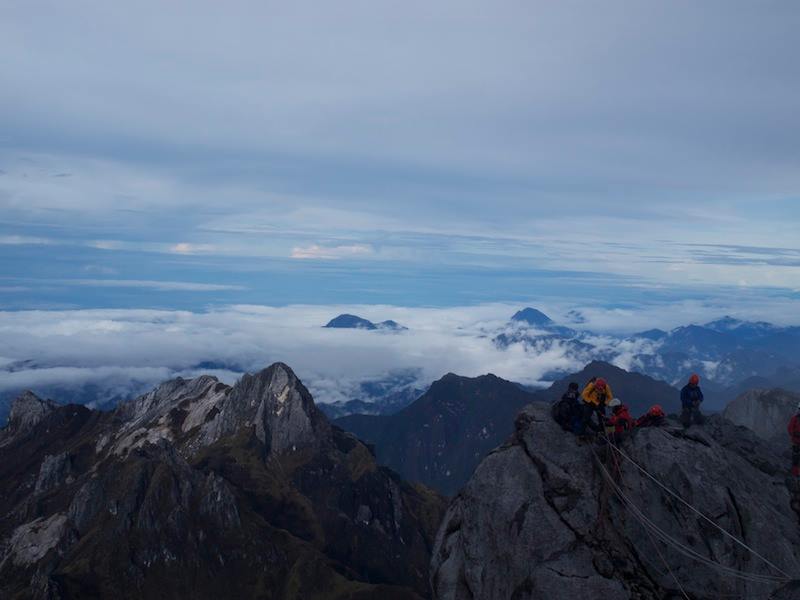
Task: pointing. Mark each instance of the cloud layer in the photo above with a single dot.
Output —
(121, 352)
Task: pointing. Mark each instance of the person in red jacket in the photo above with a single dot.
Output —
(654, 417)
(620, 421)
(794, 436)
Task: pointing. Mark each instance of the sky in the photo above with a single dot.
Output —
(618, 156)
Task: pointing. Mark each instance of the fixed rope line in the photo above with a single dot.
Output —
(700, 514)
(666, 564)
(681, 548)
(647, 531)
(647, 525)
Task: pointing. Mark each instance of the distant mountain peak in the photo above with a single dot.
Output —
(652, 334)
(532, 316)
(392, 325)
(728, 323)
(347, 321)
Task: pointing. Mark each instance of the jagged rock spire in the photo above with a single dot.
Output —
(279, 406)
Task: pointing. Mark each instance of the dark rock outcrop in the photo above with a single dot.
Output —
(199, 489)
(538, 519)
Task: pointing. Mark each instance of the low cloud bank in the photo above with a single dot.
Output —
(118, 353)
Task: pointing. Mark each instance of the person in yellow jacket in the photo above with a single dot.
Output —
(596, 396)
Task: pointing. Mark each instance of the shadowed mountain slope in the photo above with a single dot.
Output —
(440, 438)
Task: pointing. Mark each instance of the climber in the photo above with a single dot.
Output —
(620, 421)
(596, 395)
(567, 411)
(794, 436)
(691, 398)
(654, 417)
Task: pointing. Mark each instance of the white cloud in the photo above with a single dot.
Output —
(331, 252)
(133, 349)
(187, 248)
(20, 240)
(162, 286)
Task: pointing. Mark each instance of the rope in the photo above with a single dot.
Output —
(666, 564)
(677, 545)
(700, 514)
(647, 531)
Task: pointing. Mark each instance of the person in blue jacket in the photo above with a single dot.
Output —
(691, 398)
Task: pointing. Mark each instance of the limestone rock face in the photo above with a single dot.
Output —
(26, 411)
(277, 405)
(766, 412)
(538, 519)
(196, 413)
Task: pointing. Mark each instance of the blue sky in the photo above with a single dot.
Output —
(195, 155)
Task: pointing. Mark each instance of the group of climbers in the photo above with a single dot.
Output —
(575, 411)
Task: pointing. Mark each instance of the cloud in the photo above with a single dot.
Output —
(18, 240)
(122, 352)
(100, 270)
(551, 137)
(331, 252)
(187, 248)
(163, 286)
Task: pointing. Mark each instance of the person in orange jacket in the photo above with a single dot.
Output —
(596, 396)
(794, 436)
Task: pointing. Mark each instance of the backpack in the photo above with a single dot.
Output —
(563, 413)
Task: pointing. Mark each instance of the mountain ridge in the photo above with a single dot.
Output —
(133, 503)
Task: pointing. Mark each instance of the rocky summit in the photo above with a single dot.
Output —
(545, 516)
(203, 490)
